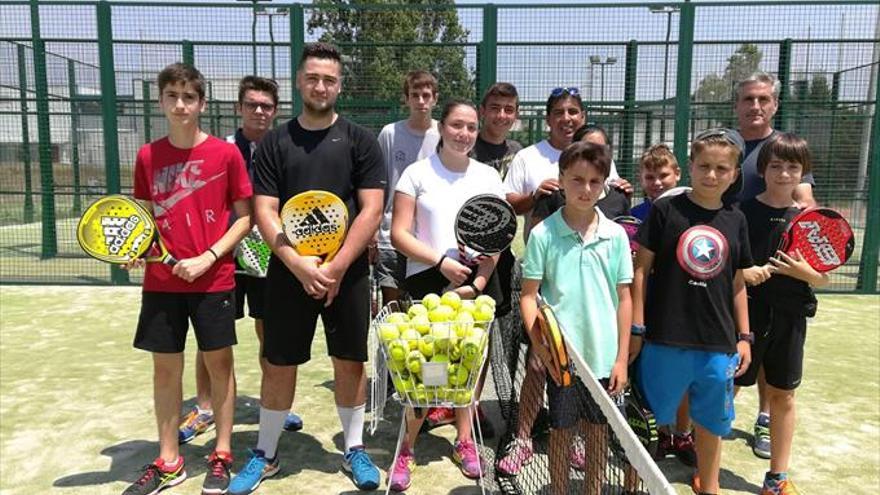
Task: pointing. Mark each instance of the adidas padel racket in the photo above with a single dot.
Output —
(315, 223)
(484, 226)
(117, 229)
(252, 255)
(823, 237)
(548, 343)
(631, 227)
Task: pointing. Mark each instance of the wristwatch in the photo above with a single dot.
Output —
(638, 330)
(747, 337)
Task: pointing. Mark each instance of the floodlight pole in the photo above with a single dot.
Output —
(254, 31)
(597, 60)
(271, 14)
(668, 10)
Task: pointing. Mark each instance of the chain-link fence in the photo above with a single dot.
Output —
(78, 92)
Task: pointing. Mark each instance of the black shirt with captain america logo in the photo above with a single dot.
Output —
(689, 302)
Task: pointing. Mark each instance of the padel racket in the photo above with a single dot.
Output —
(675, 191)
(823, 237)
(253, 254)
(117, 229)
(315, 223)
(640, 418)
(484, 226)
(548, 343)
(630, 225)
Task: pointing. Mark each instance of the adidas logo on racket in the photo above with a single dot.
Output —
(315, 223)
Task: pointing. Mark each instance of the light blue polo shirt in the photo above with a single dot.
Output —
(579, 281)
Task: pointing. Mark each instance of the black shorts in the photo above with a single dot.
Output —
(504, 270)
(779, 346)
(165, 316)
(291, 316)
(432, 281)
(254, 290)
(570, 404)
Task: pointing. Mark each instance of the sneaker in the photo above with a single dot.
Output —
(156, 478)
(779, 487)
(194, 424)
(401, 473)
(255, 471)
(486, 427)
(519, 454)
(467, 459)
(664, 445)
(683, 448)
(577, 456)
(761, 445)
(364, 473)
(217, 478)
(293, 422)
(439, 416)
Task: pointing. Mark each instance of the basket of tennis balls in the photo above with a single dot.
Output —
(435, 348)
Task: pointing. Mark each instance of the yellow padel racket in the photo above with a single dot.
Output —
(548, 343)
(117, 229)
(315, 223)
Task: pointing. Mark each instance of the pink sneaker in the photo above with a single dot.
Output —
(468, 459)
(438, 416)
(401, 473)
(519, 455)
(577, 456)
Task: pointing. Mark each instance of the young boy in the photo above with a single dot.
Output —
(591, 302)
(780, 297)
(191, 182)
(658, 172)
(695, 308)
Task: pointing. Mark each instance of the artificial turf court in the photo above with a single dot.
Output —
(76, 407)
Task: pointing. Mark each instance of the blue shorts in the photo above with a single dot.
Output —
(668, 372)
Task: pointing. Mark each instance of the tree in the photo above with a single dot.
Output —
(381, 45)
(744, 62)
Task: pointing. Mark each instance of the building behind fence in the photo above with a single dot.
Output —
(78, 93)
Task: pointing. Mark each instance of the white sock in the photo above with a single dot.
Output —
(352, 419)
(203, 411)
(271, 424)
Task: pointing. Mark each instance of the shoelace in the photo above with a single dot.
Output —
(151, 470)
(255, 465)
(218, 467)
(467, 449)
(360, 458)
(402, 462)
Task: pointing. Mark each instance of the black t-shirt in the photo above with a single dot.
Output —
(497, 156)
(766, 226)
(614, 204)
(697, 252)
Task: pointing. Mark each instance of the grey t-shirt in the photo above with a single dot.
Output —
(401, 146)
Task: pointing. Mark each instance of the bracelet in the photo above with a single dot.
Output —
(473, 287)
(637, 330)
(440, 263)
(211, 250)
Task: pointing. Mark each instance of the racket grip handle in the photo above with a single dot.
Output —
(170, 260)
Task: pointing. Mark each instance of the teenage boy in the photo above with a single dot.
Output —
(319, 149)
(403, 143)
(695, 308)
(191, 182)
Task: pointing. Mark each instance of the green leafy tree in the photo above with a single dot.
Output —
(714, 88)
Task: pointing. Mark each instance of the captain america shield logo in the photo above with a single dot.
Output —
(702, 252)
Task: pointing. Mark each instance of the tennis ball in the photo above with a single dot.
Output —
(399, 319)
(463, 325)
(467, 306)
(457, 375)
(431, 301)
(462, 397)
(421, 323)
(414, 362)
(426, 345)
(397, 350)
(441, 333)
(416, 309)
(388, 332)
(421, 393)
(454, 352)
(471, 351)
(484, 312)
(440, 358)
(441, 313)
(411, 335)
(451, 299)
(477, 334)
(484, 299)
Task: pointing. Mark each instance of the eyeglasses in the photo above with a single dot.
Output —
(555, 92)
(252, 106)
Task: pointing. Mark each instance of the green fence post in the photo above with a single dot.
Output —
(49, 245)
(25, 137)
(629, 102)
(108, 113)
(188, 52)
(148, 111)
(74, 135)
(867, 282)
(683, 84)
(784, 76)
(297, 43)
(488, 50)
(212, 107)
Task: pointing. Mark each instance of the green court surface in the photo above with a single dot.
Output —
(76, 409)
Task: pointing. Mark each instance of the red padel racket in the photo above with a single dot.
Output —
(631, 225)
(823, 237)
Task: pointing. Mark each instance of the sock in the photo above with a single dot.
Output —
(763, 419)
(352, 419)
(170, 467)
(271, 424)
(203, 411)
(775, 476)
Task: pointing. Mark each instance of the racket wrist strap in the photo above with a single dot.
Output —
(211, 250)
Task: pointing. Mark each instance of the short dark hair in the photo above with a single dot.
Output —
(180, 72)
(502, 90)
(257, 83)
(587, 129)
(594, 154)
(320, 50)
(419, 79)
(551, 101)
(785, 146)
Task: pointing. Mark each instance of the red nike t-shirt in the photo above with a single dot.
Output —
(192, 191)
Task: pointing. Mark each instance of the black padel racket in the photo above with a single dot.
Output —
(823, 237)
(484, 226)
(640, 417)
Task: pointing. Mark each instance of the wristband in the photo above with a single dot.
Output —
(746, 337)
(210, 250)
(637, 330)
(473, 287)
(440, 263)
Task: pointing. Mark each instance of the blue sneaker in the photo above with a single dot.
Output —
(364, 473)
(193, 424)
(293, 422)
(255, 471)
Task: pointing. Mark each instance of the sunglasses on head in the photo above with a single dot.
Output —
(728, 135)
(560, 91)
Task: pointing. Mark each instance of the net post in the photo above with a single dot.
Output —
(25, 136)
(683, 74)
(488, 50)
(49, 244)
(784, 77)
(297, 44)
(867, 282)
(629, 117)
(74, 135)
